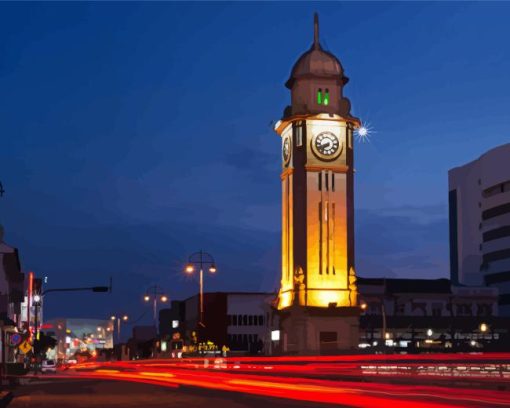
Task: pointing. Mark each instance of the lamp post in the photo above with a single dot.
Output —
(37, 303)
(200, 259)
(156, 293)
(384, 336)
(118, 319)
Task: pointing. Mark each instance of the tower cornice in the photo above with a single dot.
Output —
(282, 124)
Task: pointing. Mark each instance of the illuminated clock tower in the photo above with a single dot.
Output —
(317, 301)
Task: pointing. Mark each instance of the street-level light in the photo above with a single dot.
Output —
(37, 298)
(124, 317)
(201, 259)
(483, 327)
(363, 306)
(430, 332)
(98, 329)
(112, 318)
(155, 293)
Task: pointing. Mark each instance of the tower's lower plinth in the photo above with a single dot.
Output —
(318, 331)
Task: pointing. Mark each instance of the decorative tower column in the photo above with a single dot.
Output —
(318, 297)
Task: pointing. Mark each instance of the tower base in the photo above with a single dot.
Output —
(318, 331)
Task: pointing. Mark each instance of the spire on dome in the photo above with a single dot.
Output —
(316, 44)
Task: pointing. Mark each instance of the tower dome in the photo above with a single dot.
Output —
(316, 63)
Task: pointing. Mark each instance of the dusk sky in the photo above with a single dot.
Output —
(132, 134)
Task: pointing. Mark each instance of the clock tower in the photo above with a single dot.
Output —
(317, 300)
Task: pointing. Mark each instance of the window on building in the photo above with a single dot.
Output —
(464, 309)
(298, 133)
(320, 180)
(327, 181)
(400, 308)
(437, 309)
(319, 96)
(261, 320)
(250, 320)
(332, 181)
(484, 309)
(234, 320)
(245, 320)
(326, 97)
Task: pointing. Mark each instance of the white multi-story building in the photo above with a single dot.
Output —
(479, 212)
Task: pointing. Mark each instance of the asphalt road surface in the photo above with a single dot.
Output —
(430, 381)
(66, 393)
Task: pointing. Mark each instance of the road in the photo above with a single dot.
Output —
(65, 393)
(427, 381)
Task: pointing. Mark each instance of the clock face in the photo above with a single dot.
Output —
(286, 150)
(326, 145)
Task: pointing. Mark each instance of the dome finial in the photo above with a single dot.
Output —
(316, 43)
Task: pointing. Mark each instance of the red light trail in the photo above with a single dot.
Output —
(310, 379)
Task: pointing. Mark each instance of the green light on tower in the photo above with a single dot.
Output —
(326, 98)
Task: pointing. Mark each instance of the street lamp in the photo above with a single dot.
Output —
(37, 303)
(157, 294)
(384, 334)
(430, 332)
(200, 259)
(483, 327)
(119, 318)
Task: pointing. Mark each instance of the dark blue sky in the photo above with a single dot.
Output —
(133, 134)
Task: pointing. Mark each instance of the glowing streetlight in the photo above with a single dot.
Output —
(37, 298)
(200, 259)
(155, 293)
(483, 327)
(98, 329)
(430, 332)
(117, 319)
(363, 306)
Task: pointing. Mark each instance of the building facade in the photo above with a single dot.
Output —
(479, 215)
(12, 282)
(237, 320)
(317, 296)
(425, 313)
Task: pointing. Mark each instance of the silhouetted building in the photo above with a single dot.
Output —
(11, 283)
(237, 320)
(428, 313)
(479, 202)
